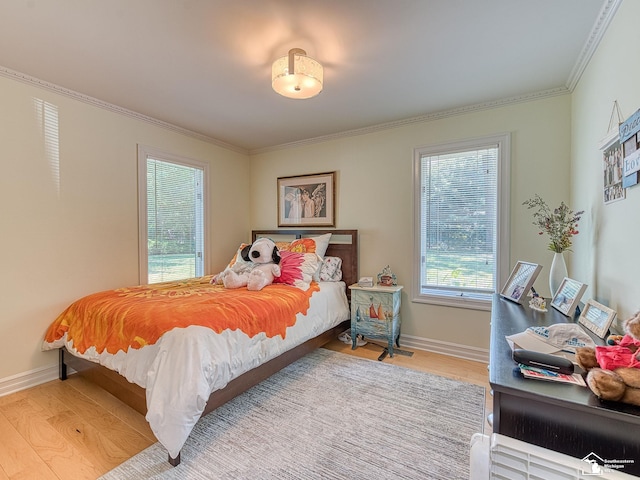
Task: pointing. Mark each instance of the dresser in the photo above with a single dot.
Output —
(375, 314)
(565, 418)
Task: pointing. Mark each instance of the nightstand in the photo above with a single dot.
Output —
(375, 313)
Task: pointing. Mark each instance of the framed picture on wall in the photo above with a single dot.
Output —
(307, 200)
(629, 137)
(520, 281)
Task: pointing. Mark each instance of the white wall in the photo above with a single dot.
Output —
(605, 251)
(374, 195)
(68, 212)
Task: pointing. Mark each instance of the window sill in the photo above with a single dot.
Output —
(455, 301)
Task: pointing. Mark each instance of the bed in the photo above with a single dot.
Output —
(174, 377)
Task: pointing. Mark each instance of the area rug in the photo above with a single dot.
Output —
(330, 416)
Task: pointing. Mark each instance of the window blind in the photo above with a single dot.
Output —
(175, 227)
(459, 221)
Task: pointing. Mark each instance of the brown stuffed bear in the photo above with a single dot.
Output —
(614, 370)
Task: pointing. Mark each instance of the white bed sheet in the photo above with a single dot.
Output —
(182, 369)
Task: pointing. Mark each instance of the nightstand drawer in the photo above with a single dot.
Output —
(375, 328)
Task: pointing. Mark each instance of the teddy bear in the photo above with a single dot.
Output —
(256, 268)
(614, 369)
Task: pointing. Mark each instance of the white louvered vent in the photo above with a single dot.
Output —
(515, 460)
(511, 459)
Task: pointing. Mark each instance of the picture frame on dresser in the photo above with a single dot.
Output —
(568, 296)
(597, 317)
(307, 200)
(520, 281)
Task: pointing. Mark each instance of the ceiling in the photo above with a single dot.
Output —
(205, 65)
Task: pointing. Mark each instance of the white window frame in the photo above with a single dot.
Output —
(144, 153)
(453, 297)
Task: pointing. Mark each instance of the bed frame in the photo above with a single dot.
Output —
(344, 244)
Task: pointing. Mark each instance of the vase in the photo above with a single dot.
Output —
(557, 273)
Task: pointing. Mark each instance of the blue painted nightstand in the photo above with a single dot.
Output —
(375, 313)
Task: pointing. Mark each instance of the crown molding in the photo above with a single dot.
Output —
(600, 26)
(423, 118)
(36, 82)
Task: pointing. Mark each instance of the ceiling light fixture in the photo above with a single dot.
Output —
(296, 75)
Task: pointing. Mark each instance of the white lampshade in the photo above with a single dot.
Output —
(296, 75)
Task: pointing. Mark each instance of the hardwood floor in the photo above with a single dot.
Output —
(74, 430)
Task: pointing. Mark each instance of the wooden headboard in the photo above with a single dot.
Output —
(343, 244)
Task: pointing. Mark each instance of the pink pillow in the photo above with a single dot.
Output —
(297, 269)
(317, 245)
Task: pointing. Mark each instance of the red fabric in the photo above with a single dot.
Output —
(616, 356)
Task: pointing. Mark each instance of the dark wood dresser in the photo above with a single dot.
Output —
(565, 418)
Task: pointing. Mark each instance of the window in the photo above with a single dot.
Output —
(171, 193)
(461, 217)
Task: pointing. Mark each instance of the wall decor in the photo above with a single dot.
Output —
(520, 281)
(597, 318)
(307, 200)
(568, 296)
(629, 137)
(631, 161)
(613, 175)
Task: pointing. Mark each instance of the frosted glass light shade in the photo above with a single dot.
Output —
(296, 75)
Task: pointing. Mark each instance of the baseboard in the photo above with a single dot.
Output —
(445, 348)
(29, 379)
(22, 381)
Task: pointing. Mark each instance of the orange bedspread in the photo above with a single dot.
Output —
(132, 317)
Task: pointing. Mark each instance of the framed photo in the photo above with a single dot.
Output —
(612, 157)
(520, 281)
(629, 137)
(307, 200)
(568, 296)
(597, 318)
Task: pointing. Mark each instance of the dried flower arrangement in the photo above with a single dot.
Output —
(561, 224)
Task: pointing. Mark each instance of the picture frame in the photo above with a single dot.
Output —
(307, 200)
(597, 318)
(568, 296)
(613, 163)
(520, 281)
(629, 137)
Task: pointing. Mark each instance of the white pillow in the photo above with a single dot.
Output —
(331, 269)
(322, 243)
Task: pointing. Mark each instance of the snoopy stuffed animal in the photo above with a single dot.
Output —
(260, 267)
